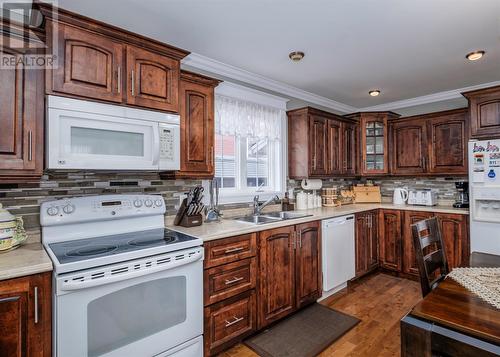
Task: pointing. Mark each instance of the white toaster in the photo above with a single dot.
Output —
(422, 198)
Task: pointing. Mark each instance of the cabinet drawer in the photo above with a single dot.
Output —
(229, 250)
(229, 280)
(229, 321)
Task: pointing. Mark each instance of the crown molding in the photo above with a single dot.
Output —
(219, 68)
(428, 99)
(206, 64)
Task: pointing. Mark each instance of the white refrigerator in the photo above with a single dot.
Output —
(484, 191)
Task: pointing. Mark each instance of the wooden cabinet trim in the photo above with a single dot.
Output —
(227, 250)
(228, 280)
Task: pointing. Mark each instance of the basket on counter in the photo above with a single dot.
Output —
(12, 233)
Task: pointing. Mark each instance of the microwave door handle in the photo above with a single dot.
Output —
(156, 145)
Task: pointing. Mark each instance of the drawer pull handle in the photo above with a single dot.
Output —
(233, 250)
(235, 280)
(235, 321)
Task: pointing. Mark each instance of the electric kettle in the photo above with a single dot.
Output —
(400, 196)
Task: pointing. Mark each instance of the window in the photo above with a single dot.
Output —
(249, 146)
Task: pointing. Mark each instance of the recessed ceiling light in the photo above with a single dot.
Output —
(296, 56)
(374, 92)
(474, 56)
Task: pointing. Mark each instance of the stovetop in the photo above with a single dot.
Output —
(113, 245)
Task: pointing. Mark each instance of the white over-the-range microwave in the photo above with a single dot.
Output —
(95, 136)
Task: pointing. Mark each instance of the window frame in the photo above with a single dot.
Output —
(279, 173)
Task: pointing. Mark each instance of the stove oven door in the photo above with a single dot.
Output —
(139, 308)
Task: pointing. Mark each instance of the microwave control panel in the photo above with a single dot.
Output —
(169, 147)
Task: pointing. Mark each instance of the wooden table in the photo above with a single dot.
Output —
(453, 320)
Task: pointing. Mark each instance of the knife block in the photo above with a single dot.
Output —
(182, 218)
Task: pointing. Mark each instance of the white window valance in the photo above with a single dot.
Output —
(234, 116)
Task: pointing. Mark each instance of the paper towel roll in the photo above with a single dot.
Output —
(308, 184)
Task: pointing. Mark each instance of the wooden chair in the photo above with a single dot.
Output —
(429, 250)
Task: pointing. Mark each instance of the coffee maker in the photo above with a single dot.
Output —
(462, 195)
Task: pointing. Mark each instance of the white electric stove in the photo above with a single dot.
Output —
(123, 284)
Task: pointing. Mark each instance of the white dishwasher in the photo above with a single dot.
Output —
(338, 253)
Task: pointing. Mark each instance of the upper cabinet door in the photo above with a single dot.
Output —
(350, 152)
(334, 147)
(197, 129)
(374, 145)
(448, 136)
(152, 80)
(317, 145)
(89, 65)
(484, 106)
(21, 119)
(409, 149)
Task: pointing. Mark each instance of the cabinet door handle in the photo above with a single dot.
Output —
(212, 156)
(30, 145)
(235, 321)
(132, 76)
(233, 250)
(300, 239)
(235, 280)
(119, 79)
(36, 304)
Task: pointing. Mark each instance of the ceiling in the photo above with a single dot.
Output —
(406, 49)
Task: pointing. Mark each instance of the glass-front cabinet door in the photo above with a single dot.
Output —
(374, 142)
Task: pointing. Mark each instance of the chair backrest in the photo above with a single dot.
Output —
(430, 253)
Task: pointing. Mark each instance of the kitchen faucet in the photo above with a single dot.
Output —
(258, 207)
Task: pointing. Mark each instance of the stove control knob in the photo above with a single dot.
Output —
(159, 203)
(137, 203)
(148, 203)
(68, 209)
(53, 211)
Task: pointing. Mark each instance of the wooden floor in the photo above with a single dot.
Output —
(379, 301)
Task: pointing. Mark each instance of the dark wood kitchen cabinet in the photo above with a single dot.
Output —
(89, 65)
(366, 242)
(308, 264)
(321, 144)
(334, 152)
(21, 118)
(152, 80)
(289, 271)
(374, 141)
(230, 278)
(25, 316)
(318, 131)
(431, 144)
(196, 94)
(350, 148)
(409, 258)
(276, 292)
(447, 141)
(484, 112)
(455, 233)
(390, 240)
(408, 146)
(102, 62)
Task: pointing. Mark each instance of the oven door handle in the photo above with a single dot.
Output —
(71, 285)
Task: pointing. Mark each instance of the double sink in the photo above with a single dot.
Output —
(272, 217)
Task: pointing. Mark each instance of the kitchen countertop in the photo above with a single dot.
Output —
(28, 259)
(230, 227)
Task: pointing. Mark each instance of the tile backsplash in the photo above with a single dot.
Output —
(24, 199)
(443, 186)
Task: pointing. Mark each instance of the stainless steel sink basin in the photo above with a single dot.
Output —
(272, 217)
(258, 219)
(287, 215)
